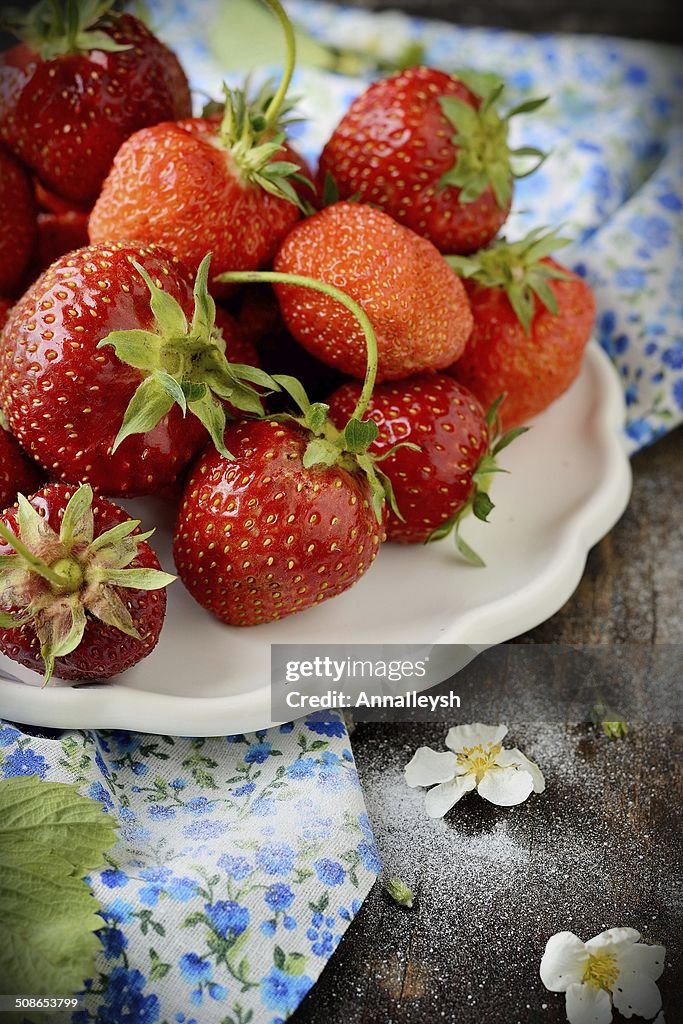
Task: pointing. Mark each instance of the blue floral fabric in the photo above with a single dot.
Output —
(613, 181)
(240, 863)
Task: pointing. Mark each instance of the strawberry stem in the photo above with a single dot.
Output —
(278, 99)
(35, 563)
(273, 277)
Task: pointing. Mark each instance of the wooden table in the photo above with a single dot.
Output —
(601, 848)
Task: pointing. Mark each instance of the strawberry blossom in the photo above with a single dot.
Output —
(476, 759)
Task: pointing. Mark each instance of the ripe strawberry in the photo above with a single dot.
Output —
(297, 516)
(417, 305)
(108, 379)
(432, 150)
(265, 535)
(191, 187)
(17, 222)
(82, 592)
(532, 321)
(16, 472)
(83, 79)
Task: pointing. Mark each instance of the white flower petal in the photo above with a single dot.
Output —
(473, 735)
(635, 993)
(642, 959)
(563, 962)
(440, 799)
(507, 758)
(612, 939)
(506, 786)
(588, 1005)
(427, 767)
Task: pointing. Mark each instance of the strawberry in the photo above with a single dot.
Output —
(432, 150)
(266, 535)
(81, 589)
(83, 79)
(438, 449)
(417, 305)
(16, 472)
(532, 321)
(108, 379)
(17, 222)
(209, 201)
(227, 184)
(297, 516)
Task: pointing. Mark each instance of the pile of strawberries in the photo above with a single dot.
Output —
(306, 365)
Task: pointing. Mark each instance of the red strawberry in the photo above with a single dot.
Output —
(16, 472)
(98, 364)
(532, 321)
(51, 203)
(417, 305)
(70, 94)
(17, 222)
(59, 233)
(82, 592)
(433, 484)
(297, 516)
(263, 536)
(432, 150)
(188, 187)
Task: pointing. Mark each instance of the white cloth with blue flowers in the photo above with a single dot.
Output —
(240, 863)
(242, 860)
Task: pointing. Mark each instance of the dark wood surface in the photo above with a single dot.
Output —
(601, 848)
(658, 19)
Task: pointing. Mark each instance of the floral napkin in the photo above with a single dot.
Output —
(240, 863)
(242, 860)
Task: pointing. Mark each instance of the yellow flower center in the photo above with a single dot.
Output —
(601, 971)
(477, 760)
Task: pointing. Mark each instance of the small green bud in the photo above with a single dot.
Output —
(400, 892)
(609, 721)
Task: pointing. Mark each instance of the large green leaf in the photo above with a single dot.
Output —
(248, 35)
(49, 837)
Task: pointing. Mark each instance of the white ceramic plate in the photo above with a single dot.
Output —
(569, 482)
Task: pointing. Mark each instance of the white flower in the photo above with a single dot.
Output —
(613, 969)
(476, 758)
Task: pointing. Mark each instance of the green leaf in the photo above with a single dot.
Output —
(78, 522)
(462, 116)
(482, 505)
(508, 438)
(317, 417)
(139, 579)
(295, 964)
(33, 528)
(211, 412)
(150, 403)
(320, 452)
(172, 389)
(528, 106)
(294, 389)
(49, 837)
(204, 307)
(279, 958)
(55, 815)
(400, 892)
(135, 348)
(359, 434)
(467, 552)
(246, 35)
(167, 313)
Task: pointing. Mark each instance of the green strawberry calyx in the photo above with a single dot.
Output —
(520, 268)
(484, 158)
(54, 581)
(479, 503)
(327, 445)
(184, 364)
(54, 28)
(253, 130)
